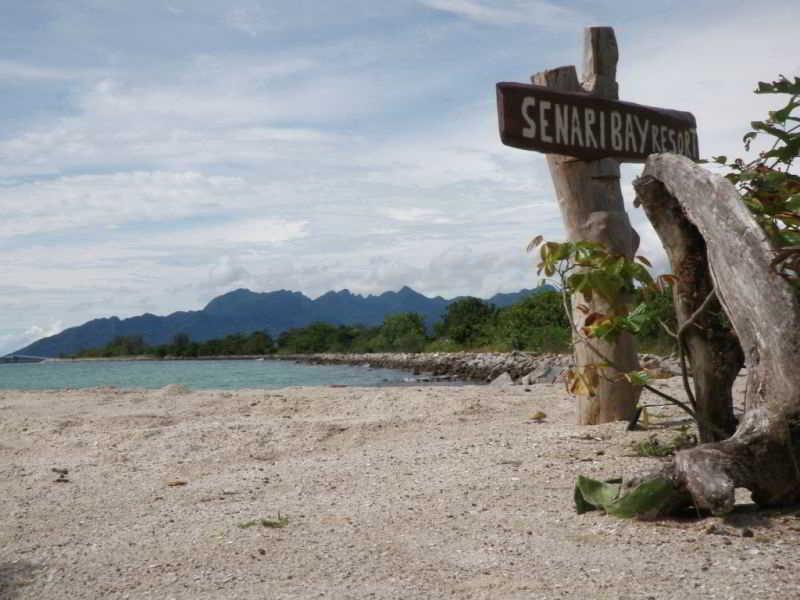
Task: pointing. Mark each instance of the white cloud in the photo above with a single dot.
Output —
(416, 215)
(439, 268)
(243, 232)
(210, 116)
(509, 12)
(712, 68)
(91, 201)
(21, 71)
(226, 272)
(247, 19)
(13, 341)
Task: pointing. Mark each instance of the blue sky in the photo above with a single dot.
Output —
(154, 154)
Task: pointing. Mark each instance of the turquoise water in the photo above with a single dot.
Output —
(194, 374)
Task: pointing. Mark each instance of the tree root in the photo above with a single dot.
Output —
(755, 458)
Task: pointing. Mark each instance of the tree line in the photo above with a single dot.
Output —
(535, 324)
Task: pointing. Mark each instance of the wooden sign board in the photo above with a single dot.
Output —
(587, 127)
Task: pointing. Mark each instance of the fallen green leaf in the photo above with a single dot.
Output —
(643, 501)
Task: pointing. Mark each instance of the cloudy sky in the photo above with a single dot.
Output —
(156, 153)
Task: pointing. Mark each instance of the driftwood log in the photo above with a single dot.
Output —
(762, 455)
(712, 348)
(592, 208)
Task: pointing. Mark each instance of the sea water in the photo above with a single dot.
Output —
(194, 374)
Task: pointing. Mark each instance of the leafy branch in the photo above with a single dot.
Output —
(768, 186)
(587, 270)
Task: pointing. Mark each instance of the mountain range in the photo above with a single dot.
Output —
(244, 311)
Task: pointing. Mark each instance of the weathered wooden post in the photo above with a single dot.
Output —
(593, 209)
(586, 131)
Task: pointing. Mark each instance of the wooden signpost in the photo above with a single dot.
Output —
(588, 127)
(585, 132)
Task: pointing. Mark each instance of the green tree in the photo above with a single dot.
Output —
(404, 332)
(317, 337)
(466, 321)
(659, 311)
(537, 323)
(259, 342)
(180, 344)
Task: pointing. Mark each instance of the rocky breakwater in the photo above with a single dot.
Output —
(483, 367)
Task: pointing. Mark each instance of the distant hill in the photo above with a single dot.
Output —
(243, 311)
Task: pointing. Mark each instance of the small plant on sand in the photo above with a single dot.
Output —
(653, 447)
(279, 522)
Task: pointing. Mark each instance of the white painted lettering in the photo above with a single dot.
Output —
(577, 135)
(654, 137)
(630, 134)
(527, 104)
(616, 131)
(642, 128)
(544, 105)
(562, 123)
(590, 117)
(663, 138)
(672, 144)
(602, 129)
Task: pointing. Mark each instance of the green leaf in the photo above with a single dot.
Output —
(790, 238)
(777, 132)
(793, 202)
(591, 494)
(780, 116)
(636, 319)
(640, 274)
(638, 378)
(606, 285)
(644, 501)
(781, 86)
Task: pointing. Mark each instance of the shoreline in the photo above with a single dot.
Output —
(468, 367)
(428, 367)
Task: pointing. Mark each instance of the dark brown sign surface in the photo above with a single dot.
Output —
(587, 127)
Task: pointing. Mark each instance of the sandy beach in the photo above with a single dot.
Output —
(420, 492)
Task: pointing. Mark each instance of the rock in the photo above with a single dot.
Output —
(531, 377)
(660, 372)
(648, 361)
(538, 416)
(502, 379)
(554, 374)
(467, 366)
(671, 365)
(544, 374)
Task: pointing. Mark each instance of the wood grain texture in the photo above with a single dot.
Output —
(712, 349)
(600, 57)
(762, 455)
(592, 208)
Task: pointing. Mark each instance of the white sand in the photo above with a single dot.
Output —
(449, 492)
